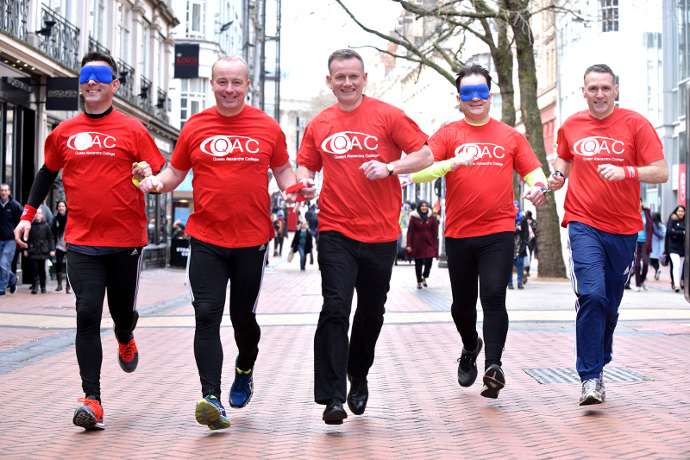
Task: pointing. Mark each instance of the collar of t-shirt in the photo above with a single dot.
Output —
(99, 115)
(480, 124)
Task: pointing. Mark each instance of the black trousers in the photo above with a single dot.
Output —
(425, 264)
(39, 267)
(490, 259)
(346, 265)
(209, 269)
(59, 257)
(90, 277)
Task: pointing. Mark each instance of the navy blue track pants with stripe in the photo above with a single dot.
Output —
(600, 265)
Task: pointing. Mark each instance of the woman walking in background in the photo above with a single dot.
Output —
(41, 246)
(302, 243)
(422, 241)
(58, 231)
(675, 246)
(658, 246)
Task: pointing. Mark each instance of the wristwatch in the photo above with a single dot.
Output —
(390, 168)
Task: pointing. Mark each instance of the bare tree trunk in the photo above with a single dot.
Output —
(550, 256)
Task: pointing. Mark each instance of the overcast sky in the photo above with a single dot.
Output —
(313, 29)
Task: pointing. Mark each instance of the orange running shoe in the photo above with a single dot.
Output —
(128, 356)
(90, 415)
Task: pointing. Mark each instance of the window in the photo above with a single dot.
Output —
(97, 16)
(609, 15)
(196, 18)
(123, 31)
(192, 98)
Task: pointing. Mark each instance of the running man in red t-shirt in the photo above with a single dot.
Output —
(480, 219)
(606, 152)
(358, 143)
(230, 147)
(107, 221)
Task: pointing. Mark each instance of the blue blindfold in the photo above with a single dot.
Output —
(469, 92)
(97, 73)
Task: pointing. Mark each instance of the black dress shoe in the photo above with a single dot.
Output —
(358, 395)
(334, 413)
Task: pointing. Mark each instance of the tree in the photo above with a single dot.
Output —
(502, 26)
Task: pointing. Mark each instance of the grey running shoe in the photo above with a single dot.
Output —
(602, 389)
(591, 392)
(494, 381)
(467, 369)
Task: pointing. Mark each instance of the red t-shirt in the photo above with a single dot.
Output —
(340, 142)
(624, 138)
(230, 157)
(96, 156)
(479, 199)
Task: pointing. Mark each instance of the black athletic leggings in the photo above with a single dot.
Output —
(209, 269)
(490, 259)
(90, 276)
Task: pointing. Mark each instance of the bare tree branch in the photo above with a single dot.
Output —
(405, 44)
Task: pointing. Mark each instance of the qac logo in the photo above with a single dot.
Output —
(590, 146)
(84, 141)
(219, 146)
(480, 150)
(345, 141)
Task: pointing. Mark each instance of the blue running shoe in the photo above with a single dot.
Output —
(210, 412)
(242, 388)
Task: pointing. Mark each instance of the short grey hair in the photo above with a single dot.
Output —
(600, 68)
(344, 54)
(230, 58)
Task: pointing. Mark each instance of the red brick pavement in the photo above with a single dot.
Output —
(416, 408)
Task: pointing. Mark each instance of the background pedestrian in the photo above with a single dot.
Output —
(58, 231)
(422, 241)
(675, 246)
(521, 238)
(41, 247)
(658, 244)
(10, 215)
(302, 243)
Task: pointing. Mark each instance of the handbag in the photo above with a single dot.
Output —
(311, 258)
(292, 253)
(663, 259)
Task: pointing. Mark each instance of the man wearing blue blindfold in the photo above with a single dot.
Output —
(107, 229)
(480, 219)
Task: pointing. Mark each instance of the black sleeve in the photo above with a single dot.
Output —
(41, 186)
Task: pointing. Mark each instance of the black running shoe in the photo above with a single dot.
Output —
(467, 369)
(494, 381)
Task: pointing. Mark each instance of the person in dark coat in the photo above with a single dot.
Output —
(41, 247)
(675, 246)
(302, 243)
(521, 239)
(57, 228)
(279, 227)
(422, 241)
(644, 248)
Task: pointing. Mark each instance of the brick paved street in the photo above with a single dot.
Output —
(416, 407)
